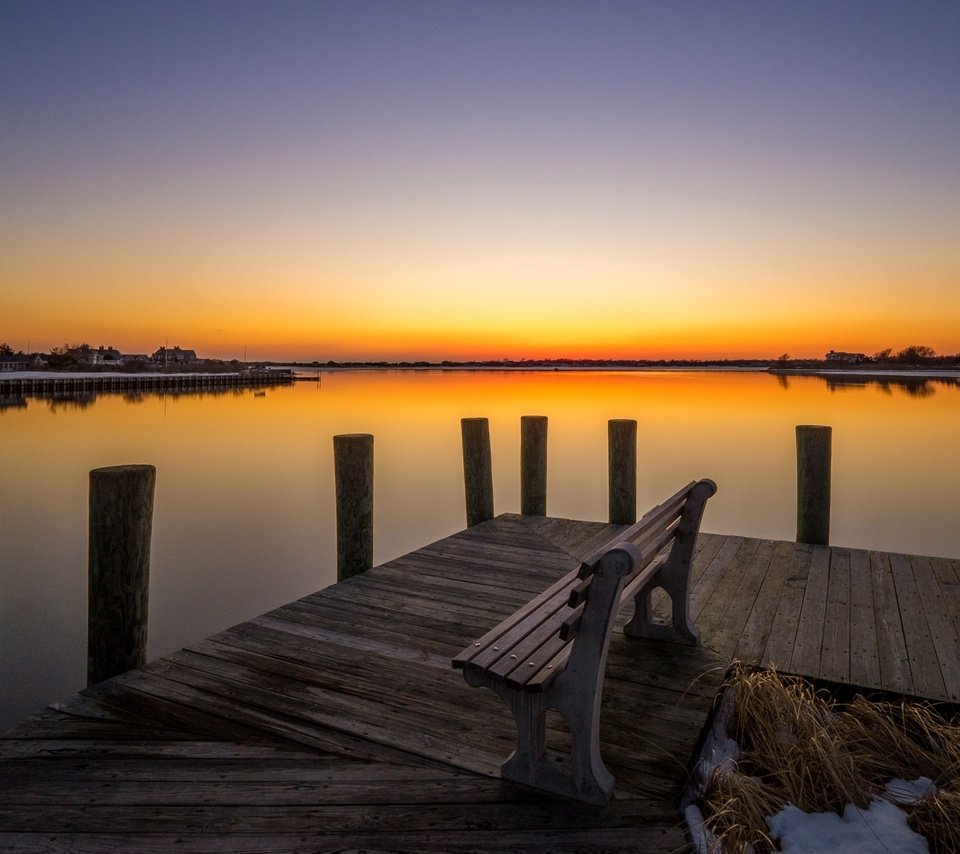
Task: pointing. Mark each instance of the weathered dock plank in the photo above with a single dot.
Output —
(809, 639)
(835, 653)
(943, 632)
(758, 625)
(778, 650)
(864, 645)
(921, 652)
(725, 634)
(891, 643)
(711, 609)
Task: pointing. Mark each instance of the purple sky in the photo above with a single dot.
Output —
(657, 156)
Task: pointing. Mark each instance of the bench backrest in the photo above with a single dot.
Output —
(664, 540)
(530, 648)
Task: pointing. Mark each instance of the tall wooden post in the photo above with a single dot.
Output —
(813, 484)
(120, 526)
(533, 465)
(353, 475)
(477, 469)
(622, 470)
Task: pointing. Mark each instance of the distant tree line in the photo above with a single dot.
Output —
(916, 355)
(511, 364)
(65, 358)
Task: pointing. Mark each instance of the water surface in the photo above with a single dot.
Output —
(244, 516)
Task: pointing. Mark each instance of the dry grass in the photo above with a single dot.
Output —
(938, 819)
(735, 809)
(798, 746)
(785, 730)
(771, 710)
(817, 774)
(905, 740)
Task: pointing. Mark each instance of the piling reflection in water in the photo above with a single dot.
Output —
(244, 514)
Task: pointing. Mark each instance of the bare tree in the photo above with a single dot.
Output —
(916, 353)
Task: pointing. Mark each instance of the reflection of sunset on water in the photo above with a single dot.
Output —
(244, 516)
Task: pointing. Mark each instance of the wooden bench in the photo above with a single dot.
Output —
(551, 654)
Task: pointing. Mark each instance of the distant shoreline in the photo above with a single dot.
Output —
(526, 369)
(879, 373)
(871, 373)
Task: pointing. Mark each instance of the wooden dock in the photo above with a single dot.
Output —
(336, 723)
(38, 384)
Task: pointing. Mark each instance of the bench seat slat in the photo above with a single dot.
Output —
(562, 585)
(522, 677)
(542, 678)
(516, 661)
(544, 619)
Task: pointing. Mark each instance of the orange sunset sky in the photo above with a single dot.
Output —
(429, 180)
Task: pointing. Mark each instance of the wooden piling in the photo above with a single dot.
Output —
(477, 469)
(622, 470)
(120, 526)
(353, 475)
(813, 484)
(533, 465)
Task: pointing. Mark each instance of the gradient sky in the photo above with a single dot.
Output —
(404, 180)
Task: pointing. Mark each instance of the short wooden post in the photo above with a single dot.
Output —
(477, 469)
(120, 526)
(353, 475)
(533, 465)
(622, 470)
(813, 484)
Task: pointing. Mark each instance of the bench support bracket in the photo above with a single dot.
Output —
(576, 695)
(674, 578)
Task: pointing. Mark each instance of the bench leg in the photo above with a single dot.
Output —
(531, 720)
(583, 775)
(593, 781)
(681, 630)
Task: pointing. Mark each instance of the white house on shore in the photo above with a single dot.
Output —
(19, 362)
(174, 356)
(850, 358)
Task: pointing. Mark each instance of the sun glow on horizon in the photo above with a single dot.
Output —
(424, 181)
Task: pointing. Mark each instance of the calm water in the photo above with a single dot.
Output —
(244, 516)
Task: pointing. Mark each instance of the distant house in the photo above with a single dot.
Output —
(174, 356)
(849, 358)
(134, 358)
(109, 355)
(15, 363)
(86, 355)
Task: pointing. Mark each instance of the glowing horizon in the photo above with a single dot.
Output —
(425, 180)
